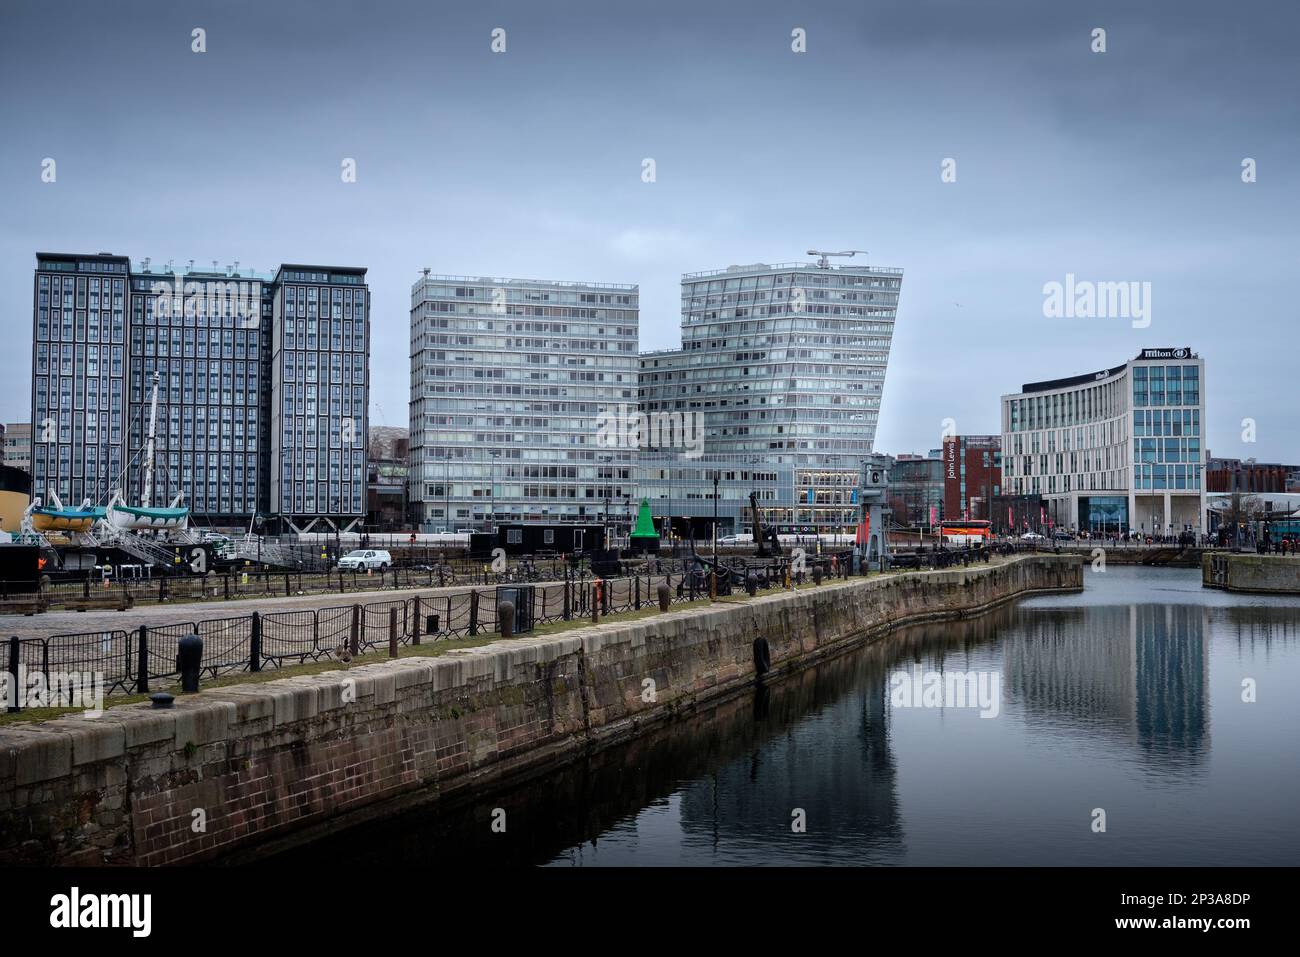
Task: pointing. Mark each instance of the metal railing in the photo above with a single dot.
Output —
(93, 590)
(144, 659)
(761, 268)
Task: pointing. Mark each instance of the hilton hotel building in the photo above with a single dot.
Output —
(1118, 449)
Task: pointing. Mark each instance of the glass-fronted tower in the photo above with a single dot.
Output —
(786, 364)
(1117, 450)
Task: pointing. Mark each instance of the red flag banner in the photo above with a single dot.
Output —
(864, 529)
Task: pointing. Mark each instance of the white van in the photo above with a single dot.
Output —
(363, 558)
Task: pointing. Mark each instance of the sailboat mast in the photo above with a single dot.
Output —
(147, 500)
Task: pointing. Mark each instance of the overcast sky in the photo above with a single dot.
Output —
(1117, 166)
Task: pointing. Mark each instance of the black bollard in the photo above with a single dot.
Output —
(665, 597)
(506, 618)
(762, 656)
(189, 658)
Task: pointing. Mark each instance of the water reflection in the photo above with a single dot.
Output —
(1137, 673)
(1106, 701)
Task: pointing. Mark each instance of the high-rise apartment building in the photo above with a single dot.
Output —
(319, 362)
(785, 366)
(201, 336)
(262, 387)
(509, 381)
(79, 374)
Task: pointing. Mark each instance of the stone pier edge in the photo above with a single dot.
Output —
(1251, 574)
(265, 765)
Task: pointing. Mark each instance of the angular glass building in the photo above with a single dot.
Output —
(785, 364)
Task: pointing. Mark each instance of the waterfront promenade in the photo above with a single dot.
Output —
(269, 759)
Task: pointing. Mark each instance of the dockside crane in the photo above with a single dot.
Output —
(824, 263)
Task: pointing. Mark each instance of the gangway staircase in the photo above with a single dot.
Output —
(146, 548)
(254, 549)
(151, 551)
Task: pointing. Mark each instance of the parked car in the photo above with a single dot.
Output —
(1062, 536)
(1032, 537)
(728, 540)
(363, 558)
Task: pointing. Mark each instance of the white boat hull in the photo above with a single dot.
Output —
(135, 520)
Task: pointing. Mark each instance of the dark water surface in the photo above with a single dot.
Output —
(1126, 698)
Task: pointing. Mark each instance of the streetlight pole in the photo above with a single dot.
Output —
(605, 464)
(670, 505)
(492, 490)
(716, 475)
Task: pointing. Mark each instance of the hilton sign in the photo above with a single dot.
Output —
(1183, 353)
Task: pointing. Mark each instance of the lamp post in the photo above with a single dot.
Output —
(605, 476)
(670, 503)
(717, 474)
(668, 515)
(492, 489)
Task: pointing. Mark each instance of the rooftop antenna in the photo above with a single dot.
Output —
(214, 266)
(144, 264)
(426, 270)
(236, 267)
(824, 263)
(191, 267)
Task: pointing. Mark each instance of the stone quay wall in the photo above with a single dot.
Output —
(235, 771)
(1245, 572)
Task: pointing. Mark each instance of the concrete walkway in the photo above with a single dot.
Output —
(70, 622)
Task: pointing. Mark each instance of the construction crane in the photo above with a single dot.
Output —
(823, 263)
